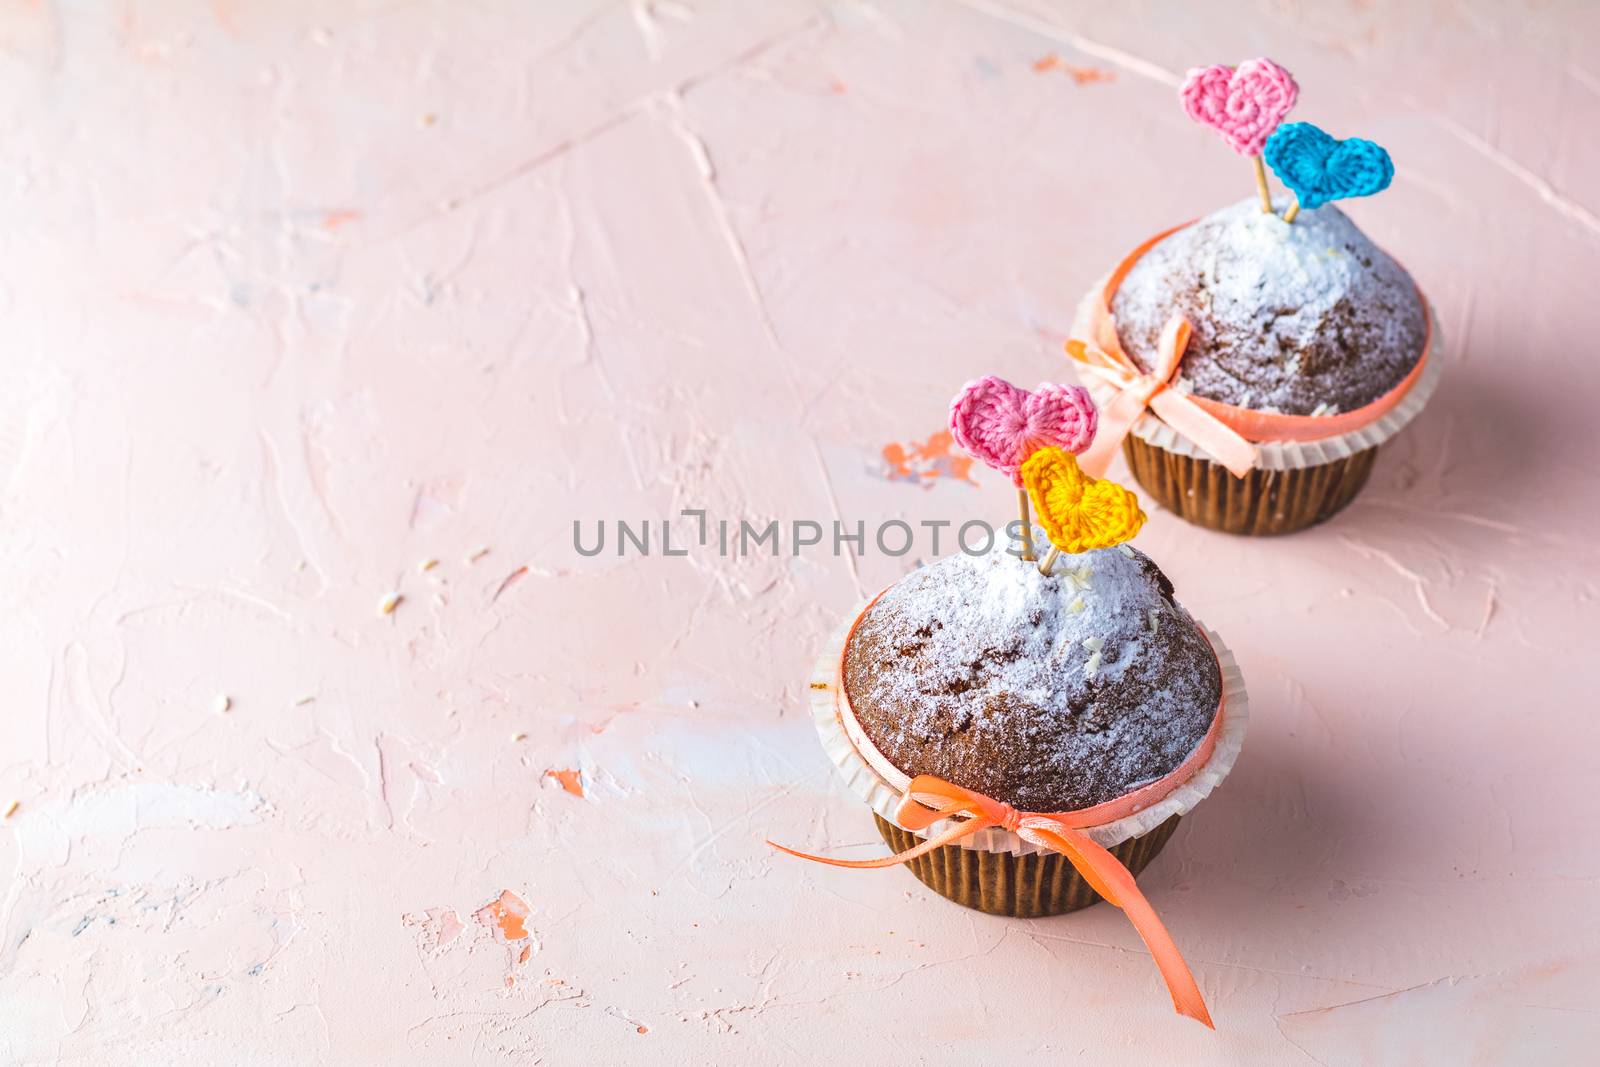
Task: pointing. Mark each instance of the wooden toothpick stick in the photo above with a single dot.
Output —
(1027, 525)
(1049, 561)
(1294, 209)
(1261, 186)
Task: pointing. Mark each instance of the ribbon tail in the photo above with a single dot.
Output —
(1213, 435)
(1106, 874)
(1171, 345)
(955, 833)
(1116, 420)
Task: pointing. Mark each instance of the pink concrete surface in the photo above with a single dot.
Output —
(297, 296)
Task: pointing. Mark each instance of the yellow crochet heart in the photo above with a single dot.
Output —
(1077, 511)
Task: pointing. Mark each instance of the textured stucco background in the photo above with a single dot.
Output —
(297, 296)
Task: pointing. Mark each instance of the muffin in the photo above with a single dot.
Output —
(1307, 339)
(1048, 693)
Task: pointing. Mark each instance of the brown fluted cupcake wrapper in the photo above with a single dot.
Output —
(1025, 886)
(1263, 502)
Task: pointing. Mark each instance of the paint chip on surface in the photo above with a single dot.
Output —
(509, 581)
(1088, 75)
(387, 605)
(427, 565)
(440, 926)
(569, 778)
(441, 933)
(925, 462)
(11, 809)
(224, 703)
(476, 554)
(334, 219)
(1080, 75)
(505, 914)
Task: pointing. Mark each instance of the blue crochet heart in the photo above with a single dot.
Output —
(1320, 168)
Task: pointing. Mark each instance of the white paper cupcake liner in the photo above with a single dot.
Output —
(883, 795)
(1278, 455)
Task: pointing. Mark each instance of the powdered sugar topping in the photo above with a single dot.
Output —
(1305, 318)
(1052, 691)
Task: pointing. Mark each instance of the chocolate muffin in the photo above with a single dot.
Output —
(1049, 693)
(1303, 319)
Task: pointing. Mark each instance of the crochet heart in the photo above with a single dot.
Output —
(1243, 105)
(1319, 167)
(1078, 512)
(1003, 425)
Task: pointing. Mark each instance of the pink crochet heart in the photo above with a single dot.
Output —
(1003, 425)
(1243, 105)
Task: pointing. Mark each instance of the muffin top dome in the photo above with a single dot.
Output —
(1304, 319)
(1049, 694)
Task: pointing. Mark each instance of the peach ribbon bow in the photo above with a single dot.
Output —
(928, 799)
(1134, 390)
